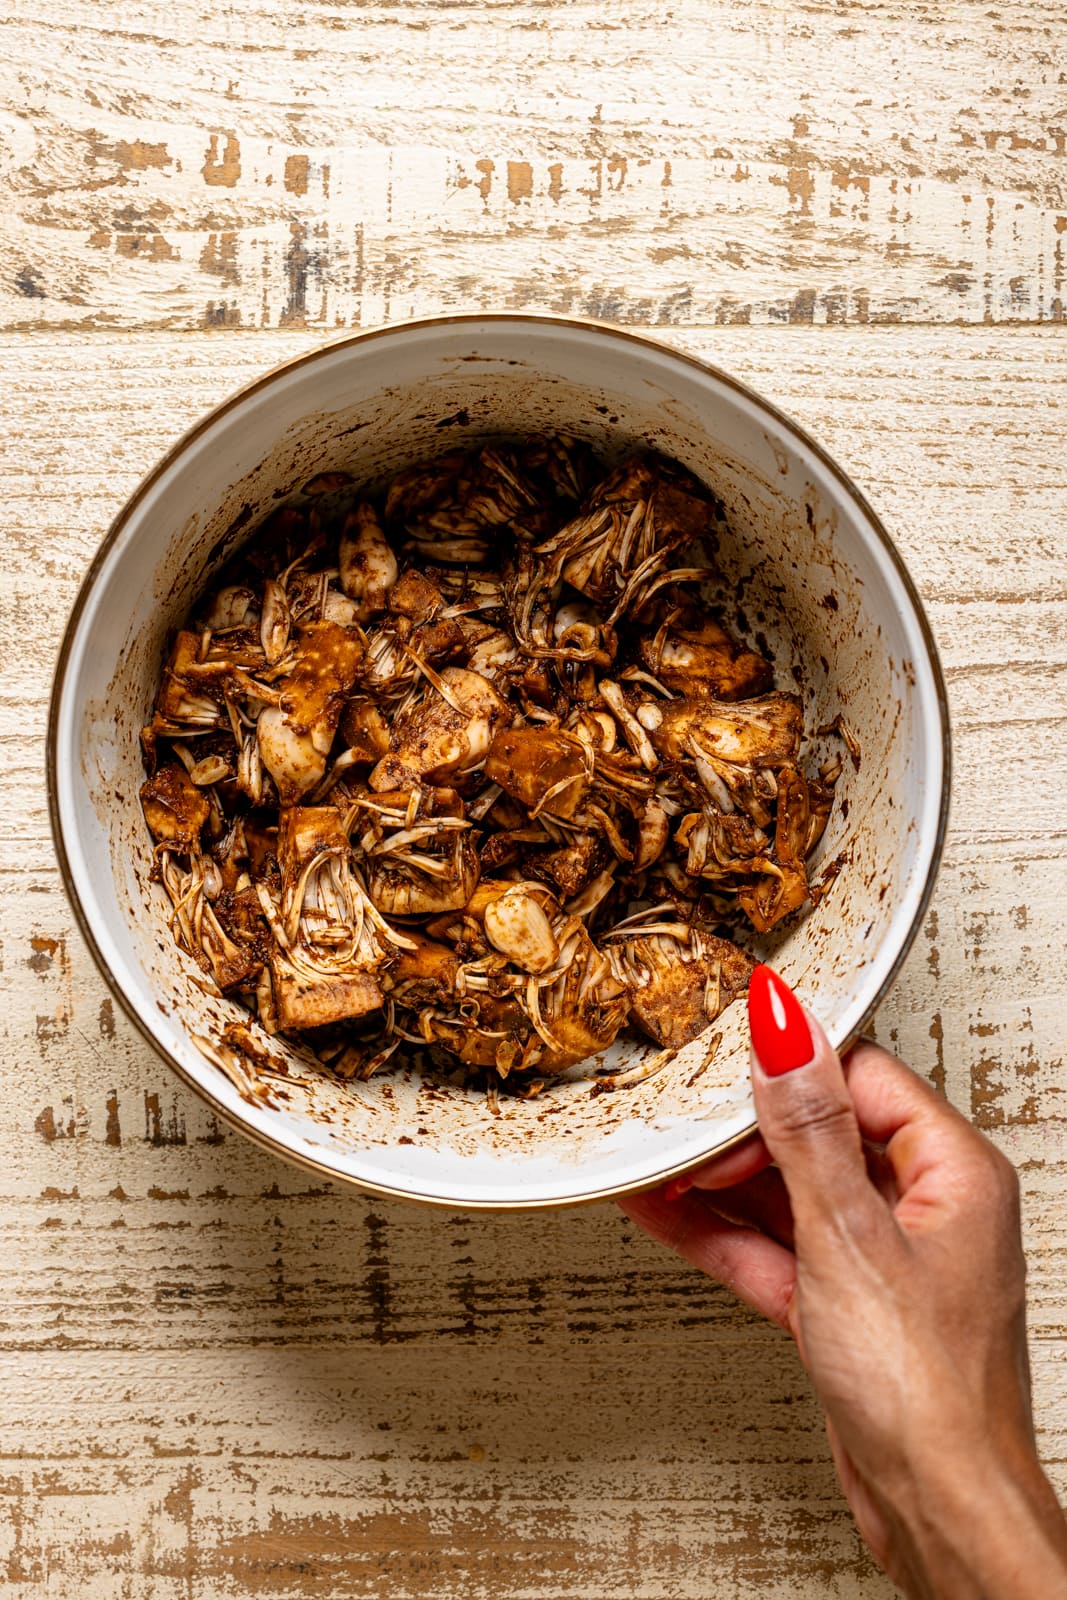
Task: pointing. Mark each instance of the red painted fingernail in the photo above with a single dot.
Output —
(781, 1037)
(676, 1188)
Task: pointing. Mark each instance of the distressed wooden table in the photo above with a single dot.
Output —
(218, 1380)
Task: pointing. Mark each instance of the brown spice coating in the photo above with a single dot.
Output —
(474, 762)
(570, 867)
(681, 997)
(528, 762)
(325, 670)
(422, 975)
(364, 729)
(413, 595)
(302, 1001)
(705, 659)
(437, 738)
(174, 808)
(760, 733)
(305, 832)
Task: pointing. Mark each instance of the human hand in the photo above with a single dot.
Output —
(886, 1240)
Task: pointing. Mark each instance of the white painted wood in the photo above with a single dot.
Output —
(170, 164)
(220, 1380)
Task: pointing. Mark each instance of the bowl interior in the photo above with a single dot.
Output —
(813, 581)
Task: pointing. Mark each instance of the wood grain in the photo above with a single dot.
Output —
(219, 1380)
(348, 162)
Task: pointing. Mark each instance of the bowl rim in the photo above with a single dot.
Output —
(277, 1146)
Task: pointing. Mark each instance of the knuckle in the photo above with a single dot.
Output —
(1009, 1187)
(991, 1181)
(811, 1114)
(1004, 1168)
(999, 1172)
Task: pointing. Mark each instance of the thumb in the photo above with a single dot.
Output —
(804, 1108)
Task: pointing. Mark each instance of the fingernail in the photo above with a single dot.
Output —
(677, 1187)
(781, 1037)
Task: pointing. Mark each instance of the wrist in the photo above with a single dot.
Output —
(982, 1524)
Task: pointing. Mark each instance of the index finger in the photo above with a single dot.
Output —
(734, 1166)
(757, 1269)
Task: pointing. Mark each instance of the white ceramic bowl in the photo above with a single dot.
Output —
(821, 582)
